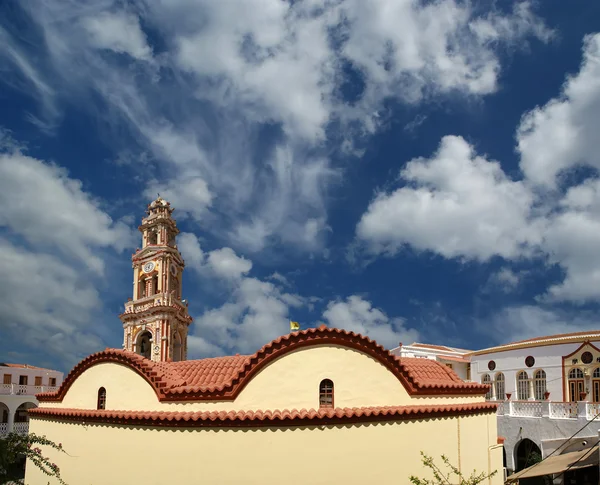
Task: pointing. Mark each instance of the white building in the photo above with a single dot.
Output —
(455, 359)
(548, 388)
(20, 384)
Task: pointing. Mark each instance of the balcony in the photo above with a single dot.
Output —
(24, 390)
(548, 409)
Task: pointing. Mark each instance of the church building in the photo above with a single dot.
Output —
(316, 406)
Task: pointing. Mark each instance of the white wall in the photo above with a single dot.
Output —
(510, 362)
(31, 374)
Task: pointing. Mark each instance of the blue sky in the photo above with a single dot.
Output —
(408, 170)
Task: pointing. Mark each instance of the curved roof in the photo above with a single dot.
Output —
(223, 378)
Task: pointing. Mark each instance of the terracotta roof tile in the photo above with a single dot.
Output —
(264, 418)
(225, 377)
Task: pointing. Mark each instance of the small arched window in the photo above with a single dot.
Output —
(522, 386)
(485, 379)
(101, 398)
(326, 394)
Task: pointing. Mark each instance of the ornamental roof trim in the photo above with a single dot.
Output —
(223, 378)
(198, 419)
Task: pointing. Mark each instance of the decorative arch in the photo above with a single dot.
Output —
(170, 386)
(143, 343)
(178, 347)
(527, 453)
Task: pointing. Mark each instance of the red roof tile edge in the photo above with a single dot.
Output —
(266, 355)
(294, 417)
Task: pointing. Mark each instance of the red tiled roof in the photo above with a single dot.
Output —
(225, 377)
(264, 418)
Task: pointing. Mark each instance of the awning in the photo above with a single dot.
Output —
(559, 463)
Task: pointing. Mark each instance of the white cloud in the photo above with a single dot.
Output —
(358, 315)
(189, 246)
(47, 303)
(226, 71)
(119, 32)
(50, 210)
(457, 204)
(562, 133)
(255, 313)
(523, 322)
(225, 263)
(572, 240)
(506, 280)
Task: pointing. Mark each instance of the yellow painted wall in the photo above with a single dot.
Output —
(386, 453)
(291, 381)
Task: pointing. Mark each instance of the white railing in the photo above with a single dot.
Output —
(3, 429)
(563, 410)
(592, 409)
(527, 409)
(503, 408)
(19, 389)
(21, 428)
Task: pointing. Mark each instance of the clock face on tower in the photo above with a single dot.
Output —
(148, 267)
(173, 269)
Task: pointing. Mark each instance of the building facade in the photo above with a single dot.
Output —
(548, 389)
(362, 414)
(20, 384)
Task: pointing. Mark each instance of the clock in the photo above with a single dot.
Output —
(173, 269)
(148, 267)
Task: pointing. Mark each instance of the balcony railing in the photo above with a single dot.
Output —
(19, 428)
(527, 409)
(563, 410)
(547, 409)
(19, 389)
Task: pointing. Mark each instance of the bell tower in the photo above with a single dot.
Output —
(156, 319)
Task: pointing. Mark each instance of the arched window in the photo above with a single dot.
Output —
(326, 394)
(596, 384)
(155, 284)
(576, 384)
(101, 399)
(485, 379)
(152, 237)
(539, 384)
(522, 386)
(500, 387)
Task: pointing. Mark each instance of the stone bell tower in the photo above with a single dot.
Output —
(156, 319)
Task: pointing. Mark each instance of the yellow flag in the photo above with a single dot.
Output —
(294, 326)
